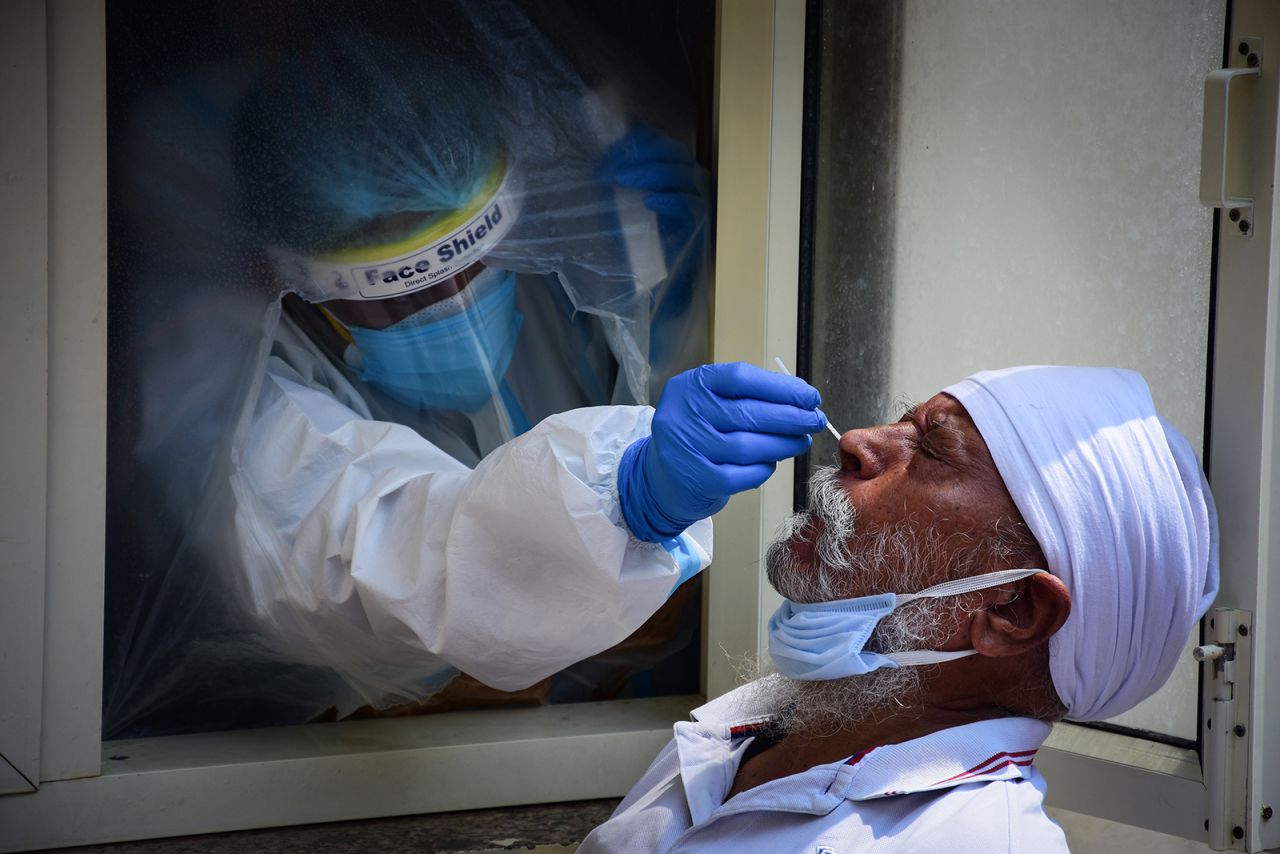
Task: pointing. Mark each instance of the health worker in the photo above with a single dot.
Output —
(447, 462)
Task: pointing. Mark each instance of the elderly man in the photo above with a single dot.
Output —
(1028, 545)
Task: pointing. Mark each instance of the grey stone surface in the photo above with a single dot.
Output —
(543, 829)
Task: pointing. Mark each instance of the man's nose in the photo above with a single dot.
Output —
(869, 452)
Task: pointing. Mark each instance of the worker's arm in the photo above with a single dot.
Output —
(366, 547)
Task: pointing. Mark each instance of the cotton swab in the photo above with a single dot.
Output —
(782, 367)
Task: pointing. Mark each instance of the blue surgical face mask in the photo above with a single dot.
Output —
(825, 640)
(450, 355)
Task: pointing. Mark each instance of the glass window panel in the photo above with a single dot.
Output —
(1001, 183)
(451, 173)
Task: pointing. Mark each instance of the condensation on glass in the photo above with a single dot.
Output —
(1000, 183)
(259, 151)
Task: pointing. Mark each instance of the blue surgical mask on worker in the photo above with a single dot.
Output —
(825, 640)
(450, 355)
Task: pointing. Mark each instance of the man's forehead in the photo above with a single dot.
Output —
(949, 403)
(940, 403)
(958, 418)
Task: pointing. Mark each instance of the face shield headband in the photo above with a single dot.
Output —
(438, 251)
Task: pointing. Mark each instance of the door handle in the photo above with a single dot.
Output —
(1215, 147)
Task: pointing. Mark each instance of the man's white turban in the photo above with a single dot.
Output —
(1119, 504)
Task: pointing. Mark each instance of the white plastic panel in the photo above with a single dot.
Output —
(24, 299)
(77, 390)
(1018, 185)
(760, 89)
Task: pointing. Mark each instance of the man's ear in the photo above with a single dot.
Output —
(1020, 616)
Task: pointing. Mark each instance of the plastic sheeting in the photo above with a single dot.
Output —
(240, 135)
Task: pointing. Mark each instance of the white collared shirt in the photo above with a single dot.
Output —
(969, 788)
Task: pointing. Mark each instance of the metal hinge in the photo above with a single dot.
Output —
(1227, 661)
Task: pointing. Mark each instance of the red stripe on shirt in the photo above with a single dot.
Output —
(858, 757)
(1021, 763)
(978, 769)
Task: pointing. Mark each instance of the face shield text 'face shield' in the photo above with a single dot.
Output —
(435, 256)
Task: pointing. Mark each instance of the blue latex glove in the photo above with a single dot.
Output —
(646, 160)
(719, 429)
(674, 184)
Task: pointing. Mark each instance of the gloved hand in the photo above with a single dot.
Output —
(719, 429)
(675, 190)
(646, 160)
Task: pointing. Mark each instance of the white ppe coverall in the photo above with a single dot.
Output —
(361, 536)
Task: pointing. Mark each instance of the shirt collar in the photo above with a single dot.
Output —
(997, 749)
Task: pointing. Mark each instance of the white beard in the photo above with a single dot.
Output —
(908, 553)
(826, 707)
(914, 555)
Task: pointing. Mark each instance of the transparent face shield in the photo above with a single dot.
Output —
(376, 314)
(391, 260)
(426, 321)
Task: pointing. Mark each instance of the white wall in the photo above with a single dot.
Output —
(1047, 206)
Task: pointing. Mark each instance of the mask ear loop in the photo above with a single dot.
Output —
(968, 585)
(917, 657)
